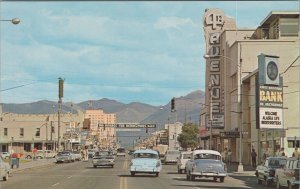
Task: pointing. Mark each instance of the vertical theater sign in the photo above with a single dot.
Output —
(214, 23)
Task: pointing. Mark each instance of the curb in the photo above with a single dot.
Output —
(34, 167)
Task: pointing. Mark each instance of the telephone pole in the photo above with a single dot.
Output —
(60, 95)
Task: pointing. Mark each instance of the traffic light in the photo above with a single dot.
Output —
(173, 104)
(52, 129)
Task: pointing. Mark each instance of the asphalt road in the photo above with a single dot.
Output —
(81, 175)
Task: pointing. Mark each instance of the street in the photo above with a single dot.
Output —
(82, 175)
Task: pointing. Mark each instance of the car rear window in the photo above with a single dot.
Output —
(187, 156)
(207, 156)
(173, 152)
(145, 155)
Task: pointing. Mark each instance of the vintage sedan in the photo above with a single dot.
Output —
(4, 169)
(171, 156)
(266, 172)
(206, 163)
(103, 158)
(65, 156)
(289, 175)
(183, 158)
(145, 161)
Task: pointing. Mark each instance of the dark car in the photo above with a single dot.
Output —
(266, 171)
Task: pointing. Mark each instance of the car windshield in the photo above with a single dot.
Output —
(145, 155)
(186, 156)
(63, 153)
(174, 152)
(277, 162)
(121, 150)
(207, 156)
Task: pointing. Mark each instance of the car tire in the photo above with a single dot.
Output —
(112, 166)
(222, 179)
(259, 181)
(215, 179)
(187, 177)
(5, 178)
(28, 157)
(132, 173)
(156, 174)
(192, 177)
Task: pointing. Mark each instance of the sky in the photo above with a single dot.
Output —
(148, 51)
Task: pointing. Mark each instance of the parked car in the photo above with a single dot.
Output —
(171, 156)
(266, 171)
(206, 163)
(183, 158)
(145, 161)
(121, 152)
(91, 152)
(4, 169)
(65, 156)
(5, 155)
(289, 175)
(103, 158)
(77, 155)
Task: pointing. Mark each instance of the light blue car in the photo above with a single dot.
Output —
(145, 161)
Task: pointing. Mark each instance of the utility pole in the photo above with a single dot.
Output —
(60, 95)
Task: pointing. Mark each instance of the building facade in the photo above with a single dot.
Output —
(105, 136)
(173, 132)
(231, 73)
(23, 132)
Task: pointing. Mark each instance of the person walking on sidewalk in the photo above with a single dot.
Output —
(229, 156)
(253, 157)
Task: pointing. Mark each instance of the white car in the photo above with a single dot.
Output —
(206, 163)
(5, 155)
(4, 169)
(77, 155)
(289, 175)
(145, 161)
(183, 158)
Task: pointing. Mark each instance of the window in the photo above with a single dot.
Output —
(289, 26)
(37, 133)
(21, 132)
(5, 131)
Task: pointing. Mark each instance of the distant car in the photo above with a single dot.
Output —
(171, 156)
(5, 155)
(77, 155)
(183, 158)
(289, 175)
(41, 154)
(121, 152)
(65, 156)
(130, 152)
(91, 153)
(4, 169)
(103, 158)
(266, 172)
(206, 163)
(145, 161)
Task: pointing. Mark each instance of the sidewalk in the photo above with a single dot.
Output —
(34, 164)
(248, 170)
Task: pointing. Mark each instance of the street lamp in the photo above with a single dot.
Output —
(13, 21)
(206, 56)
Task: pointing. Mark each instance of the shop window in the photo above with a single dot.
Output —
(5, 131)
(293, 143)
(21, 132)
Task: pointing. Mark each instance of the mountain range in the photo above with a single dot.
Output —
(187, 110)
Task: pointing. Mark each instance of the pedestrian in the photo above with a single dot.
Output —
(282, 153)
(253, 157)
(229, 156)
(296, 153)
(225, 155)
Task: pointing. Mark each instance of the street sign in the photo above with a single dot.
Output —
(128, 125)
(232, 134)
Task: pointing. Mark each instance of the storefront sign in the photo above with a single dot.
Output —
(270, 107)
(230, 134)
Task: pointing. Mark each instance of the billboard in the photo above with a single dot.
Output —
(270, 107)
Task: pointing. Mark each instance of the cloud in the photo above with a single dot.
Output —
(173, 23)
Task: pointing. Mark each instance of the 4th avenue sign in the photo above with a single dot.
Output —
(128, 125)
